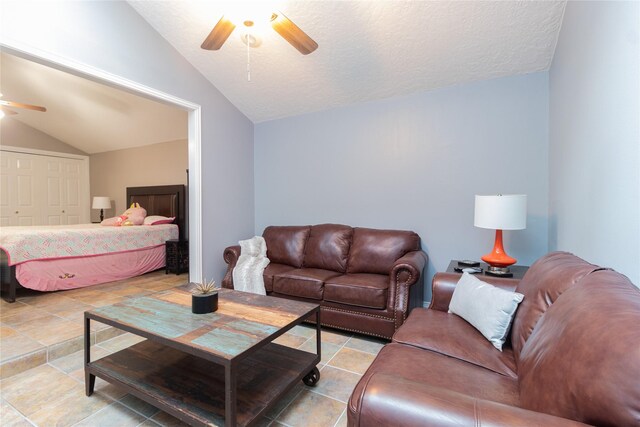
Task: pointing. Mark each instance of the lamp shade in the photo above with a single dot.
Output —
(501, 212)
(101, 203)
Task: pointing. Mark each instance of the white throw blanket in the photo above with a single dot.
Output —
(247, 275)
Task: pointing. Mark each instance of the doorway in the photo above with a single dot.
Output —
(193, 133)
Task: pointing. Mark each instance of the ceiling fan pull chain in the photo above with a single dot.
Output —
(248, 57)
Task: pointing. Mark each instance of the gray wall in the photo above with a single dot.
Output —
(113, 171)
(17, 134)
(416, 163)
(595, 135)
(112, 37)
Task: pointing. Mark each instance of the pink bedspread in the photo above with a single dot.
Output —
(71, 273)
(24, 244)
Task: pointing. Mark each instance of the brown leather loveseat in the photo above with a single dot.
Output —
(574, 357)
(365, 280)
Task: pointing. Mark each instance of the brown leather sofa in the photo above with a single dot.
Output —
(365, 280)
(574, 357)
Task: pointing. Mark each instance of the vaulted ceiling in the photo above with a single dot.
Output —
(89, 116)
(367, 49)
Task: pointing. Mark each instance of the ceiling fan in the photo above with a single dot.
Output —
(6, 111)
(280, 23)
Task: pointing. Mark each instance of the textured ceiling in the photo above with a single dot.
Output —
(89, 116)
(367, 49)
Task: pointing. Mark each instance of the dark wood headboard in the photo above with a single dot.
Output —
(165, 200)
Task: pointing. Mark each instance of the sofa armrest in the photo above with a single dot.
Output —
(389, 400)
(444, 284)
(408, 284)
(230, 255)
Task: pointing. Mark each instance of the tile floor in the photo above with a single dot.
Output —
(42, 375)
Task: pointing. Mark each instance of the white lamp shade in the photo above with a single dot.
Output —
(501, 212)
(101, 203)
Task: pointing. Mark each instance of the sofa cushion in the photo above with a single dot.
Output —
(285, 244)
(452, 336)
(363, 290)
(438, 370)
(582, 360)
(273, 270)
(375, 251)
(302, 282)
(328, 247)
(543, 283)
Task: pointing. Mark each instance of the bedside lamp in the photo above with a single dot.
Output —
(500, 212)
(101, 203)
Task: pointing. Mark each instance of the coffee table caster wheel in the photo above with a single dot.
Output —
(312, 378)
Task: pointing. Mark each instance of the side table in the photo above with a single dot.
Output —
(517, 270)
(176, 256)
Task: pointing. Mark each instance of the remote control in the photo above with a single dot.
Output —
(468, 263)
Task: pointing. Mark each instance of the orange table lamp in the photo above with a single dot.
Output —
(500, 212)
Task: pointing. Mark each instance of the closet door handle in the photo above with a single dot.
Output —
(62, 211)
(17, 212)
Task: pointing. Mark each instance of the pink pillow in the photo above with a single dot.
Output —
(158, 219)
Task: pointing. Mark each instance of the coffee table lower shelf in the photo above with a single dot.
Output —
(193, 389)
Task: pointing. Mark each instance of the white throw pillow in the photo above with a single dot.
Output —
(488, 308)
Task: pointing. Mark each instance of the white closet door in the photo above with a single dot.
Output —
(19, 203)
(54, 197)
(72, 184)
(42, 190)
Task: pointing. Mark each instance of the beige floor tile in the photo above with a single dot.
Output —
(149, 423)
(73, 408)
(121, 342)
(138, 405)
(9, 417)
(131, 292)
(166, 420)
(69, 309)
(292, 341)
(23, 363)
(352, 360)
(114, 415)
(303, 331)
(22, 316)
(45, 298)
(106, 389)
(284, 401)
(311, 409)
(342, 421)
(51, 330)
(6, 331)
(65, 348)
(41, 322)
(366, 344)
(336, 383)
(107, 333)
(75, 361)
(11, 309)
(29, 391)
(328, 350)
(334, 337)
(17, 344)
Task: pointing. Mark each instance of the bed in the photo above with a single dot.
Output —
(49, 258)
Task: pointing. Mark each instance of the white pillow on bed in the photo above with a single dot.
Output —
(488, 308)
(158, 219)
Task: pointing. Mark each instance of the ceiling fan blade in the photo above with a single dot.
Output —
(218, 35)
(7, 112)
(21, 105)
(293, 34)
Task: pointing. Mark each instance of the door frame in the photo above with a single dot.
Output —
(85, 175)
(194, 131)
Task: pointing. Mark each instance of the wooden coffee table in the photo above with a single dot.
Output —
(220, 368)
